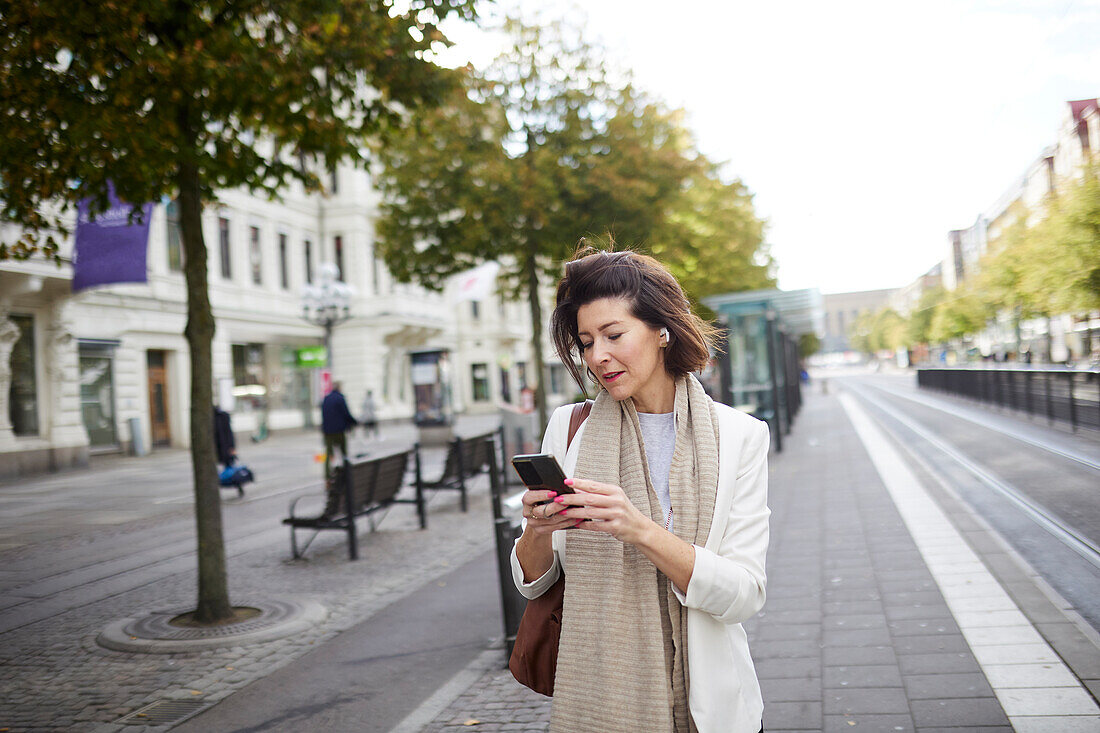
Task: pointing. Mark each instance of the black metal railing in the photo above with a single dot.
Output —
(1069, 396)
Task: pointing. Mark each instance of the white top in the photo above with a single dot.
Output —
(659, 443)
(727, 582)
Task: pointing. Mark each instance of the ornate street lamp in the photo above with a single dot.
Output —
(327, 304)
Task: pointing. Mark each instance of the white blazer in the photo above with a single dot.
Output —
(727, 582)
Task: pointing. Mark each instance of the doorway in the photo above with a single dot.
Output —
(158, 398)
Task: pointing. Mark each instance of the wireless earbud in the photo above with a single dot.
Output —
(664, 334)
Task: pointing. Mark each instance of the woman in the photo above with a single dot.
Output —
(668, 525)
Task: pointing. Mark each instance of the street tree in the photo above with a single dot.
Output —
(1004, 272)
(163, 98)
(888, 330)
(711, 238)
(542, 149)
(918, 327)
(963, 312)
(1064, 248)
(808, 344)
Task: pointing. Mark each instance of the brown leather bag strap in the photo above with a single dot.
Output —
(579, 415)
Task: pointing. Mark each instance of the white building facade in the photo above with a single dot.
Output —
(96, 370)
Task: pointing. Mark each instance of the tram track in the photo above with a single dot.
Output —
(1050, 521)
(975, 417)
(106, 579)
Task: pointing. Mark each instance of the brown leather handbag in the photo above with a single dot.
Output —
(535, 654)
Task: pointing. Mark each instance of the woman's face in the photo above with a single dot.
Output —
(625, 354)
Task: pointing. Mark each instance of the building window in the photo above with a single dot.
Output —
(521, 374)
(338, 248)
(334, 183)
(223, 239)
(283, 277)
(375, 267)
(255, 256)
(557, 379)
(175, 243)
(475, 309)
(23, 391)
(505, 385)
(249, 377)
(309, 261)
(480, 374)
(97, 395)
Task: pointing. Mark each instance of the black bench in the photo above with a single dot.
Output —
(358, 488)
(466, 458)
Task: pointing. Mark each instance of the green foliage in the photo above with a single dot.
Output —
(964, 312)
(542, 150)
(1004, 273)
(712, 240)
(881, 330)
(129, 90)
(859, 332)
(1064, 248)
(808, 345)
(888, 332)
(918, 328)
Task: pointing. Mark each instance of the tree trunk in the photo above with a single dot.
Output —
(213, 599)
(531, 269)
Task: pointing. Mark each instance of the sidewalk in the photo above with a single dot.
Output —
(879, 617)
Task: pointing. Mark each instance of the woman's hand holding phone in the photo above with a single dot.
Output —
(542, 512)
(546, 483)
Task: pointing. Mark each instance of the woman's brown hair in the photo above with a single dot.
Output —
(655, 298)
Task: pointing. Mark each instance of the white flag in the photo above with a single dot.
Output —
(478, 283)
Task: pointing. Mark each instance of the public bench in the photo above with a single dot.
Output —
(466, 458)
(358, 488)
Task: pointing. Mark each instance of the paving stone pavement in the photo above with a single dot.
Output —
(56, 678)
(855, 634)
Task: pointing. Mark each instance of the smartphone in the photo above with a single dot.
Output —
(541, 471)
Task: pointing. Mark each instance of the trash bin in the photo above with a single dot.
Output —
(137, 437)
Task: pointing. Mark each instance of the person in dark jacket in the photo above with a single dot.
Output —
(224, 443)
(226, 447)
(336, 420)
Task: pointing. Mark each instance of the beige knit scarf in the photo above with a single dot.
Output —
(621, 659)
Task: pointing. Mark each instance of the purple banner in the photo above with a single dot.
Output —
(109, 249)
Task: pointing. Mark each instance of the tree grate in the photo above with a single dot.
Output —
(163, 712)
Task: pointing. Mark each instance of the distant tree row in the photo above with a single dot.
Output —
(1034, 269)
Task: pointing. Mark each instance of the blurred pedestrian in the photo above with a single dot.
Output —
(336, 420)
(368, 415)
(224, 442)
(667, 523)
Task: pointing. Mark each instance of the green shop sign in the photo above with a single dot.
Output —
(312, 356)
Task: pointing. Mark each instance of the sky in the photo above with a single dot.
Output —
(867, 130)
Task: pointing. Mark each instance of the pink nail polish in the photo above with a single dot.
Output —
(559, 500)
(568, 482)
(552, 494)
